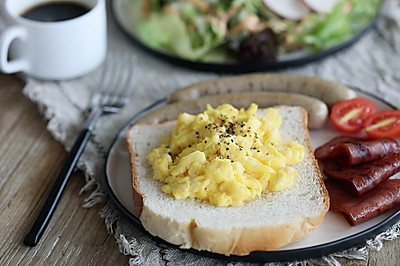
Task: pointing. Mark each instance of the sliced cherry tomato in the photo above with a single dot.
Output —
(349, 115)
(383, 124)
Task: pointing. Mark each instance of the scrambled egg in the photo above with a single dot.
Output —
(226, 156)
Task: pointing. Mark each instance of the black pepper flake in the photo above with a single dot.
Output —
(170, 153)
(227, 149)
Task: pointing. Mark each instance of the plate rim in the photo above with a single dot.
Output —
(240, 67)
(256, 256)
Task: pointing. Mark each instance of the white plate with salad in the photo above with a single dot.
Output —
(244, 35)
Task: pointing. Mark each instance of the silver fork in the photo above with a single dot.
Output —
(115, 89)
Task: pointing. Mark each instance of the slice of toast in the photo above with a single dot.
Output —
(265, 223)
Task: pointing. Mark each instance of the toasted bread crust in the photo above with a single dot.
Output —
(315, 163)
(137, 196)
(231, 241)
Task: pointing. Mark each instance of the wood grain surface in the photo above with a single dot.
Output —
(29, 161)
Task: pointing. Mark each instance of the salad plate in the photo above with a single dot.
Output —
(333, 235)
(124, 13)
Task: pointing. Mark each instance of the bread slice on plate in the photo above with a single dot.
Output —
(263, 224)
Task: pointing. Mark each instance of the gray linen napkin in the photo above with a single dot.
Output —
(372, 64)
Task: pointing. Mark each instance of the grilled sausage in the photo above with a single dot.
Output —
(327, 91)
(316, 109)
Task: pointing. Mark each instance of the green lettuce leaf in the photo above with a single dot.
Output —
(321, 31)
(324, 31)
(362, 13)
(169, 33)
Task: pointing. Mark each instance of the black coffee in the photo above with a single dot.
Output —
(55, 11)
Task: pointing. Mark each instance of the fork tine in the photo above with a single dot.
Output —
(115, 87)
(111, 87)
(129, 83)
(106, 72)
(127, 80)
(116, 83)
(123, 86)
(122, 75)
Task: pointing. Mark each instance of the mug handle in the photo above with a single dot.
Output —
(10, 34)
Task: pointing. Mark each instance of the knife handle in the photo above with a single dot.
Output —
(47, 211)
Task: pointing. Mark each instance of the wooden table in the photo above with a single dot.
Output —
(29, 161)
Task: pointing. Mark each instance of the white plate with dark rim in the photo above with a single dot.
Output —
(120, 11)
(333, 235)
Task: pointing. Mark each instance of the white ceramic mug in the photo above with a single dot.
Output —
(53, 50)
